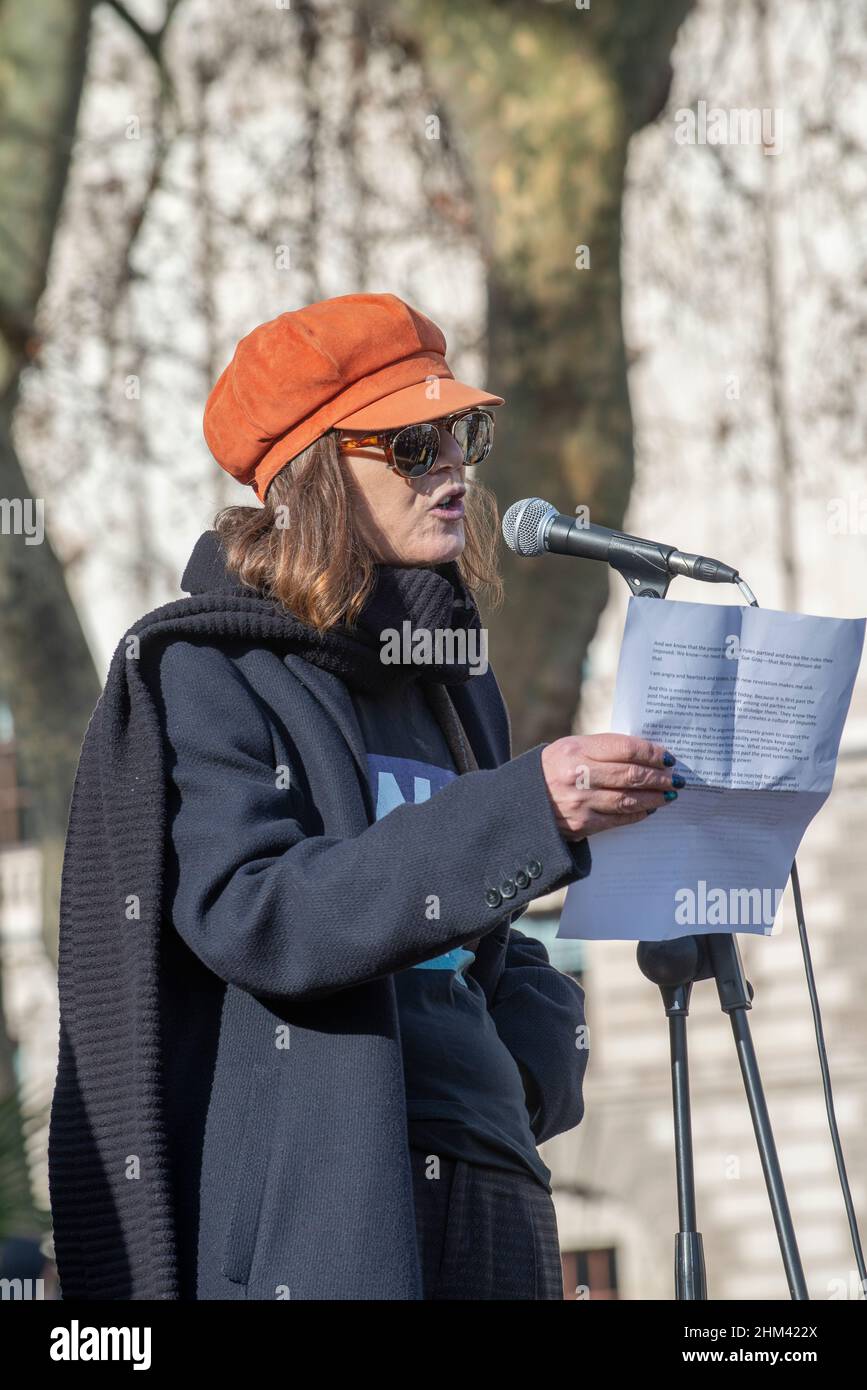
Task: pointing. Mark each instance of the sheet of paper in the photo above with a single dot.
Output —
(752, 703)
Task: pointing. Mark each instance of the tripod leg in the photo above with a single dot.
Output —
(689, 1270)
(734, 994)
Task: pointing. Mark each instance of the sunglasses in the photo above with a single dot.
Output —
(413, 450)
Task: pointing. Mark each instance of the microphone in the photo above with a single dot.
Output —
(534, 527)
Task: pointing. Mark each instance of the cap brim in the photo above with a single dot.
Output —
(412, 404)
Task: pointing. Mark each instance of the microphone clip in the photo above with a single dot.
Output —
(643, 564)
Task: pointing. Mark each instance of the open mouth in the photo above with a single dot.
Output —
(452, 505)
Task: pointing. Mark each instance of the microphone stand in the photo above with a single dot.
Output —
(675, 966)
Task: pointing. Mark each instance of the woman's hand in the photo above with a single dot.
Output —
(604, 781)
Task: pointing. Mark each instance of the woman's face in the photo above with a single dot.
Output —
(404, 519)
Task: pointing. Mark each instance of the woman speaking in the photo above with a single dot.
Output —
(304, 1054)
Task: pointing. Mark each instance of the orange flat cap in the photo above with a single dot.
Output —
(359, 361)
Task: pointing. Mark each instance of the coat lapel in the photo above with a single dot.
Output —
(482, 711)
(334, 696)
(336, 700)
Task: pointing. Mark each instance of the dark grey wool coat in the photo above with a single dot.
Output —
(229, 1119)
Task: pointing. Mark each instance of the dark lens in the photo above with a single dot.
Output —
(415, 449)
(475, 435)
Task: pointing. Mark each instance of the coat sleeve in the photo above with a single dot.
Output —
(279, 910)
(539, 1014)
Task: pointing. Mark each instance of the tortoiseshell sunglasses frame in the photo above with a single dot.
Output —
(384, 439)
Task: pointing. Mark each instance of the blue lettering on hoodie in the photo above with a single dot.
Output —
(396, 781)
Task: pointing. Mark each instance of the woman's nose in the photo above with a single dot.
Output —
(450, 453)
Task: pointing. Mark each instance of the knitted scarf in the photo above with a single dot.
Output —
(429, 600)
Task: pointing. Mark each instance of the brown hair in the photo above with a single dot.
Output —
(303, 547)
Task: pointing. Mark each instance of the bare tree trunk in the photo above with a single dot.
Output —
(545, 98)
(775, 336)
(203, 76)
(310, 40)
(47, 676)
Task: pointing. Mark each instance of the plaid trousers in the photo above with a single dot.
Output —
(484, 1233)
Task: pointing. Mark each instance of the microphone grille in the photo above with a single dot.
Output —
(523, 528)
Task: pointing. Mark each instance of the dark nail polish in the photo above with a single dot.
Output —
(670, 796)
(678, 781)
(669, 760)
